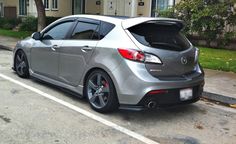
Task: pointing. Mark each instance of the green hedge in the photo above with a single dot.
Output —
(25, 23)
(9, 23)
(30, 23)
(207, 18)
(49, 20)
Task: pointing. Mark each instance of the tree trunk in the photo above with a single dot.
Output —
(41, 14)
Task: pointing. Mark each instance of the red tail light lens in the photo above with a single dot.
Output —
(157, 92)
(132, 54)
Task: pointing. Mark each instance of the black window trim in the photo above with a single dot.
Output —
(58, 23)
(101, 23)
(85, 20)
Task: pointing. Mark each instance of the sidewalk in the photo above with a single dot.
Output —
(219, 86)
(8, 42)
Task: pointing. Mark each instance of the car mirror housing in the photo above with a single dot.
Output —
(36, 35)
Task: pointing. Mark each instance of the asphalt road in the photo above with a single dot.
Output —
(27, 117)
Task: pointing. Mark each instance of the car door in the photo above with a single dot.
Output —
(76, 51)
(45, 52)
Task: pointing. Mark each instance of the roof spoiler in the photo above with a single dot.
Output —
(162, 21)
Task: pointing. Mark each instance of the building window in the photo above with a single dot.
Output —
(161, 5)
(46, 4)
(77, 6)
(22, 7)
(54, 4)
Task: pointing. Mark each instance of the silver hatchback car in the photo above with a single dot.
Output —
(115, 62)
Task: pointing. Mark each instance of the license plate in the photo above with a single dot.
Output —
(186, 94)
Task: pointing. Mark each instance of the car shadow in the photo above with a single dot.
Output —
(65, 92)
(159, 114)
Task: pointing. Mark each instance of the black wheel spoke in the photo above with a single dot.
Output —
(93, 98)
(18, 58)
(101, 100)
(17, 66)
(22, 70)
(99, 78)
(98, 90)
(92, 85)
(21, 64)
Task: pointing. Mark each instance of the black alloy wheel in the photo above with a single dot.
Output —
(100, 92)
(21, 64)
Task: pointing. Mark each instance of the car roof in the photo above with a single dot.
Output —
(115, 19)
(111, 19)
(124, 21)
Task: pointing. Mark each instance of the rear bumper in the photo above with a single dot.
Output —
(133, 82)
(171, 98)
(145, 107)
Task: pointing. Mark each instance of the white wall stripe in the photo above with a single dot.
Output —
(82, 111)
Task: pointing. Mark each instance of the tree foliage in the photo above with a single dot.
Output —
(210, 19)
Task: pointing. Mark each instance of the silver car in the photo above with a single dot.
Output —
(115, 62)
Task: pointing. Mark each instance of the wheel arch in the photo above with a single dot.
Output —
(98, 68)
(27, 74)
(14, 59)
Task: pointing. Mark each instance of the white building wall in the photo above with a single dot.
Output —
(32, 10)
(127, 7)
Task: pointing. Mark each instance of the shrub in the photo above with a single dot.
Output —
(2, 22)
(50, 20)
(29, 24)
(207, 18)
(25, 23)
(8, 26)
(6, 23)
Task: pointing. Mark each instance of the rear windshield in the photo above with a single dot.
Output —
(160, 36)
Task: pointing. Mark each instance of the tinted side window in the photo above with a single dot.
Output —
(105, 29)
(159, 36)
(85, 30)
(58, 32)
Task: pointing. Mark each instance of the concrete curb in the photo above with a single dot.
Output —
(219, 98)
(6, 48)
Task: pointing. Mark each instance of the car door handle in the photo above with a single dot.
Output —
(86, 49)
(54, 47)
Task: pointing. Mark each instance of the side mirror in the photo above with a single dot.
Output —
(36, 35)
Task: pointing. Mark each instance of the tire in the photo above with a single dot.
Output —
(21, 64)
(100, 92)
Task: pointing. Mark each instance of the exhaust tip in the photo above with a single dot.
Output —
(152, 104)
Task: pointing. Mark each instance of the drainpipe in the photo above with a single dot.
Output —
(133, 8)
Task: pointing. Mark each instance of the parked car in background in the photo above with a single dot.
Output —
(115, 61)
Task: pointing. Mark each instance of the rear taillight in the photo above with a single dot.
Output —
(132, 54)
(140, 56)
(154, 92)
